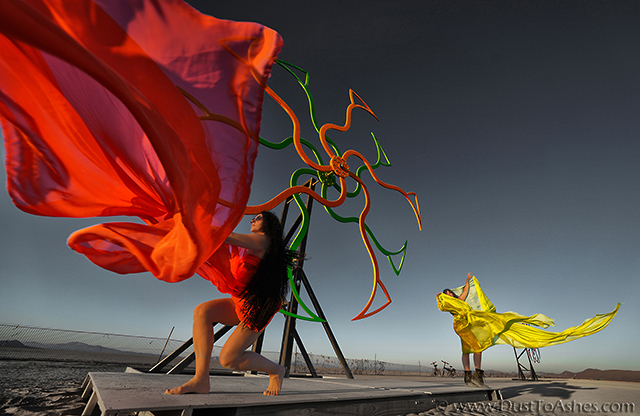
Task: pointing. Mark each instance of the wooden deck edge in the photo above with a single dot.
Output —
(414, 403)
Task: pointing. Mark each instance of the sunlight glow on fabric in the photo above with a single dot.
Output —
(479, 326)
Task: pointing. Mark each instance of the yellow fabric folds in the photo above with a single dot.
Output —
(480, 326)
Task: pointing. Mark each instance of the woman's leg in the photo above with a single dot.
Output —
(204, 315)
(478, 375)
(465, 362)
(477, 360)
(234, 355)
(467, 369)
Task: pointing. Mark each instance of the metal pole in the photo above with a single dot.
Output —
(305, 355)
(325, 324)
(288, 336)
(534, 376)
(165, 344)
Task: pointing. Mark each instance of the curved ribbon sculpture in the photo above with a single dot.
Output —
(339, 168)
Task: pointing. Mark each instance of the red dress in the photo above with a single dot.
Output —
(96, 124)
(233, 270)
(236, 262)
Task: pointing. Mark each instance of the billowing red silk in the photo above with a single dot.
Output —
(94, 125)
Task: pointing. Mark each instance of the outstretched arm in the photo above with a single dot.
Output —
(465, 291)
(254, 241)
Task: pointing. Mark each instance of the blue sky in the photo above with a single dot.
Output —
(515, 122)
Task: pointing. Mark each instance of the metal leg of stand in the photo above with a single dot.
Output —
(325, 324)
(288, 337)
(165, 361)
(534, 376)
(188, 359)
(522, 368)
(290, 333)
(306, 357)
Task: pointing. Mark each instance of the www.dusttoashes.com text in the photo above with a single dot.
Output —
(542, 406)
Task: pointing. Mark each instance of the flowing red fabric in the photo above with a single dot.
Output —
(94, 124)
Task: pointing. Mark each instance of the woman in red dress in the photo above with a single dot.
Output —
(259, 262)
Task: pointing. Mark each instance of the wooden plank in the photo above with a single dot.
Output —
(91, 404)
(130, 392)
(87, 388)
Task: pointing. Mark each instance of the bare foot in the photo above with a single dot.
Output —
(275, 383)
(191, 386)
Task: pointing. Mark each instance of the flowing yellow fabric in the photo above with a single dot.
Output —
(479, 326)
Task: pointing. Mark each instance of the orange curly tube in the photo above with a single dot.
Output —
(347, 123)
(372, 256)
(340, 167)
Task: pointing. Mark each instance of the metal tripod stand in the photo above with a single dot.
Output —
(290, 334)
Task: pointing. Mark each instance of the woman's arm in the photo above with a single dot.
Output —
(253, 241)
(465, 291)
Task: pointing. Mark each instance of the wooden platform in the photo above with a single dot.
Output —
(111, 394)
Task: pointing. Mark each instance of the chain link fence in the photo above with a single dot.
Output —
(18, 342)
(324, 364)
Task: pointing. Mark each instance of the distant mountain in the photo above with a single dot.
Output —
(79, 346)
(72, 346)
(68, 346)
(610, 375)
(13, 344)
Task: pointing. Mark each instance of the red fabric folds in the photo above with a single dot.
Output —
(94, 124)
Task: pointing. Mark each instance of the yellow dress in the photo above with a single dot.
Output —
(479, 326)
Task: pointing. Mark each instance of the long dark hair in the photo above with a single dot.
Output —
(268, 288)
(453, 294)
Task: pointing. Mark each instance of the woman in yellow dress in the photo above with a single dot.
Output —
(479, 326)
(477, 379)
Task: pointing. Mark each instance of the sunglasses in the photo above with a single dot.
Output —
(257, 217)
